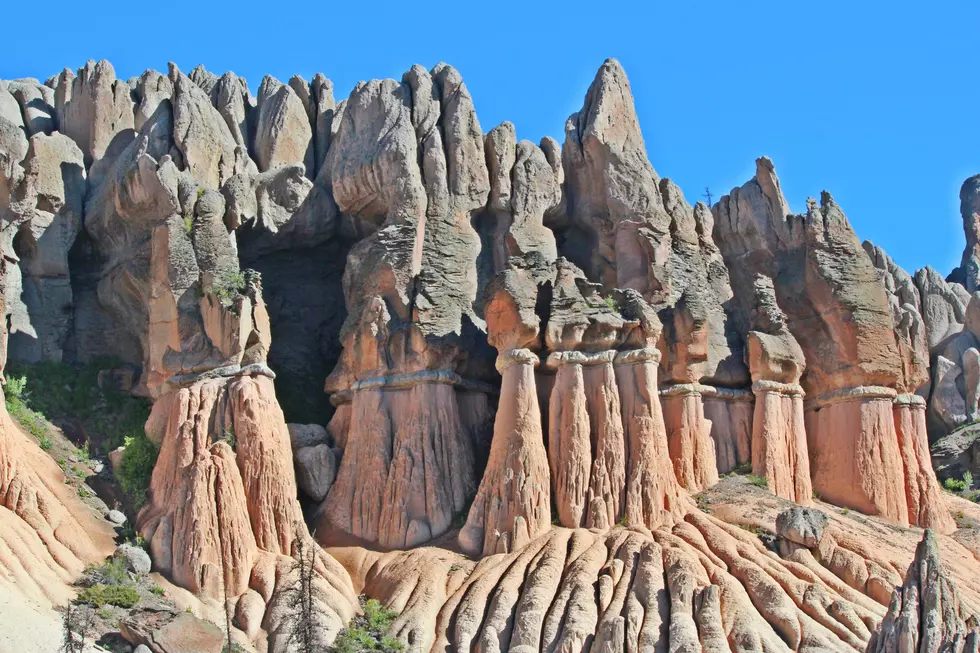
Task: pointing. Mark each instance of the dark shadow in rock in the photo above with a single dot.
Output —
(304, 295)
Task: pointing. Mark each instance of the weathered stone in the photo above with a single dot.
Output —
(283, 134)
(209, 151)
(137, 560)
(36, 105)
(943, 307)
(925, 613)
(837, 308)
(95, 109)
(316, 469)
(803, 526)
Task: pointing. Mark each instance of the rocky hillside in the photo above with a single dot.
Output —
(524, 395)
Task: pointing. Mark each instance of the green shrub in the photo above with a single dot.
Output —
(757, 481)
(368, 632)
(954, 485)
(967, 479)
(136, 469)
(102, 595)
(188, 224)
(228, 285)
(15, 386)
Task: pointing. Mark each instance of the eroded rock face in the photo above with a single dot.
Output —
(860, 335)
(925, 613)
(42, 221)
(644, 346)
(410, 286)
(700, 585)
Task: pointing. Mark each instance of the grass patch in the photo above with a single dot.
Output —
(102, 595)
(757, 481)
(368, 632)
(59, 391)
(959, 485)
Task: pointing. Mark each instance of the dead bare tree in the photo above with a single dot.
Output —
(77, 625)
(300, 592)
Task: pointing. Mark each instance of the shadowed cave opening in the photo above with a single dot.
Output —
(304, 295)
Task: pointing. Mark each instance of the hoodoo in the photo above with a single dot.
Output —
(511, 391)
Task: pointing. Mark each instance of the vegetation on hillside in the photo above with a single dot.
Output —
(69, 396)
(369, 631)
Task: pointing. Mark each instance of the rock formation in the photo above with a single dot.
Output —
(547, 344)
(863, 347)
(925, 613)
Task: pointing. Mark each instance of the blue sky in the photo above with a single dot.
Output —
(876, 105)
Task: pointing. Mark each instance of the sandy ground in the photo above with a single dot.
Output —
(27, 625)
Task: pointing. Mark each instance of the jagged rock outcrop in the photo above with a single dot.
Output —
(95, 110)
(968, 274)
(410, 285)
(643, 347)
(628, 228)
(837, 308)
(925, 613)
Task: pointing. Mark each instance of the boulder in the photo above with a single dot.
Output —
(316, 469)
(307, 435)
(137, 560)
(803, 526)
(163, 631)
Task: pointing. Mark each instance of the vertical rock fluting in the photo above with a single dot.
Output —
(839, 312)
(628, 228)
(653, 496)
(689, 437)
(410, 287)
(730, 411)
(779, 445)
(926, 506)
(925, 613)
(587, 448)
(237, 501)
(513, 503)
(923, 495)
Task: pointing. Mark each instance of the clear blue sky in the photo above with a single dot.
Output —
(878, 106)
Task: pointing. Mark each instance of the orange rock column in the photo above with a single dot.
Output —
(689, 437)
(779, 447)
(855, 459)
(408, 461)
(513, 504)
(652, 492)
(926, 507)
(730, 413)
(585, 427)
